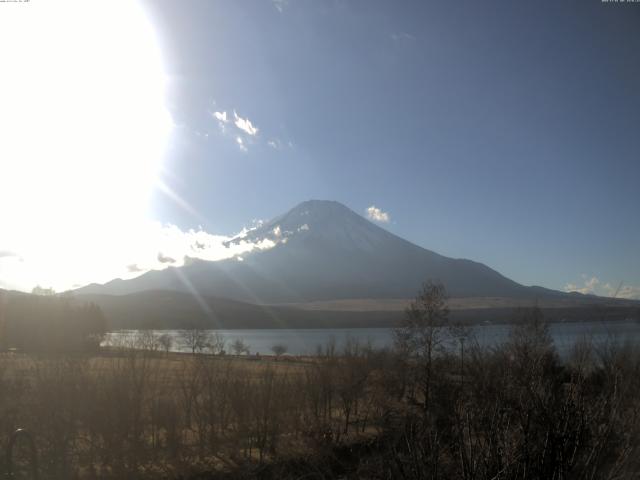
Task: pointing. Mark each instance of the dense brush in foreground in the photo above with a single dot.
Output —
(512, 412)
(437, 406)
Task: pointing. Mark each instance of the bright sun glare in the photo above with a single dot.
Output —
(83, 127)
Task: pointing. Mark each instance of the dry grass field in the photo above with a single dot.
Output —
(142, 414)
(417, 411)
(458, 303)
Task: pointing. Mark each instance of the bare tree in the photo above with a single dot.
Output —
(239, 347)
(147, 340)
(3, 326)
(195, 339)
(166, 342)
(422, 334)
(279, 349)
(216, 343)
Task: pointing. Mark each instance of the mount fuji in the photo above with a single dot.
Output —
(325, 251)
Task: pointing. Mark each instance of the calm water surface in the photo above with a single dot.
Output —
(306, 341)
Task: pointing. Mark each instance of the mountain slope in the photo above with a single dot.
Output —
(325, 251)
(174, 310)
(158, 309)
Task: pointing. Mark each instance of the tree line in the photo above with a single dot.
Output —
(49, 323)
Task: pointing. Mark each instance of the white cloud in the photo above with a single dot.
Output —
(588, 286)
(245, 125)
(221, 116)
(280, 4)
(376, 214)
(402, 36)
(243, 131)
(278, 144)
(241, 144)
(303, 228)
(630, 292)
(593, 286)
(143, 246)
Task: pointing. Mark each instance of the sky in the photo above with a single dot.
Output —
(504, 132)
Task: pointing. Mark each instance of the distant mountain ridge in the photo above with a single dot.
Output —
(158, 309)
(325, 251)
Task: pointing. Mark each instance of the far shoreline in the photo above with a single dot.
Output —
(337, 320)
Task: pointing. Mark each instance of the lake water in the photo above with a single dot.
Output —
(306, 341)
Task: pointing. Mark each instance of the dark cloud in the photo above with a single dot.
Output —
(133, 268)
(164, 259)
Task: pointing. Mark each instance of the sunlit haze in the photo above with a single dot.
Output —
(84, 127)
(131, 130)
